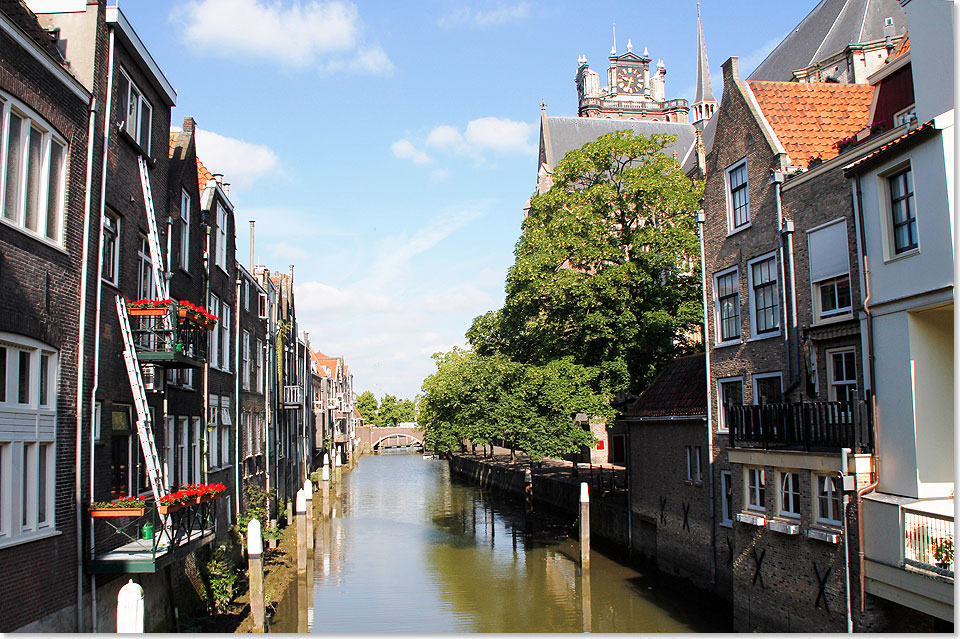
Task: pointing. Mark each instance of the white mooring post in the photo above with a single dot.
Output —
(130, 608)
(308, 493)
(255, 567)
(584, 526)
(301, 533)
(339, 464)
(325, 488)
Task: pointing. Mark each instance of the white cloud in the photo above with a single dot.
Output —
(459, 298)
(240, 162)
(502, 14)
(405, 150)
(500, 134)
(317, 296)
(444, 136)
(298, 35)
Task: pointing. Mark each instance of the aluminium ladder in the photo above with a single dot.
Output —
(153, 235)
(144, 428)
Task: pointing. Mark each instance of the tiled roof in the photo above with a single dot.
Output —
(173, 142)
(680, 390)
(203, 175)
(916, 135)
(903, 48)
(21, 15)
(810, 117)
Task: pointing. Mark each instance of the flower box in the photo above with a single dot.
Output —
(148, 312)
(167, 509)
(118, 512)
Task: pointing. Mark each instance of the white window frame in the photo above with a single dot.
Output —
(832, 382)
(755, 333)
(146, 287)
(884, 196)
(221, 248)
(754, 483)
(259, 366)
(759, 376)
(832, 495)
(226, 426)
(246, 295)
(131, 119)
(169, 450)
(245, 366)
(817, 283)
(788, 491)
(213, 340)
(49, 188)
(224, 325)
(213, 432)
(738, 338)
(726, 498)
(732, 226)
(22, 488)
(111, 276)
(722, 426)
(184, 230)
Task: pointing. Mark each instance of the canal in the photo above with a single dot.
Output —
(411, 549)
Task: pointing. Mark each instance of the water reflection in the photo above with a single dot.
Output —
(412, 550)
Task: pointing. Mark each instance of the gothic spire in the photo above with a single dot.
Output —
(704, 87)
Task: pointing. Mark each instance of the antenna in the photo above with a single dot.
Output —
(614, 49)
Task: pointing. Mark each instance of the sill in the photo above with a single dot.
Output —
(895, 257)
(784, 526)
(727, 524)
(122, 132)
(752, 519)
(33, 535)
(46, 241)
(825, 535)
(114, 285)
(729, 342)
(184, 271)
(693, 482)
(740, 229)
(763, 336)
(832, 319)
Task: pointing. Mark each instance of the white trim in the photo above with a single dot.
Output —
(789, 476)
(754, 333)
(716, 308)
(116, 17)
(41, 56)
(721, 426)
(764, 124)
(732, 227)
(757, 376)
(34, 535)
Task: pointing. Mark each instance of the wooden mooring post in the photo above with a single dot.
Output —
(584, 526)
(301, 533)
(308, 495)
(325, 486)
(255, 571)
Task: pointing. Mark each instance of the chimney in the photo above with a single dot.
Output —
(226, 188)
(219, 178)
(731, 70)
(252, 263)
(189, 124)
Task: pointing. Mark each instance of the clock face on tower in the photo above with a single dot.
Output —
(628, 80)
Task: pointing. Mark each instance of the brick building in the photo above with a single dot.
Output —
(252, 311)
(47, 270)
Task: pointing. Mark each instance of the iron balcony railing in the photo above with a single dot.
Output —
(170, 335)
(817, 426)
(292, 396)
(928, 541)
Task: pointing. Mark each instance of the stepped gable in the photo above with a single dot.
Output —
(680, 390)
(810, 117)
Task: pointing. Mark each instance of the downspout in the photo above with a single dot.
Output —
(81, 368)
(236, 394)
(873, 392)
(844, 456)
(107, 124)
(206, 362)
(266, 409)
(776, 178)
(701, 219)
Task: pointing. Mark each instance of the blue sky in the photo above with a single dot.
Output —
(386, 148)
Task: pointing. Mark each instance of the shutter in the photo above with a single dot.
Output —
(829, 252)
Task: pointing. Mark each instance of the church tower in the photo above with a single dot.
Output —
(704, 104)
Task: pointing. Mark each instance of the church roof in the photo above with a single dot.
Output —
(569, 133)
(680, 390)
(830, 27)
(810, 117)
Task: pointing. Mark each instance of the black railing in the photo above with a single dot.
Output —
(817, 426)
(170, 337)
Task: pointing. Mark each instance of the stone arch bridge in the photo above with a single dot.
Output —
(374, 438)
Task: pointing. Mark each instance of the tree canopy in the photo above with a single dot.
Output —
(390, 411)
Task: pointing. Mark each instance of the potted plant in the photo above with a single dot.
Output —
(123, 507)
(943, 551)
(272, 534)
(148, 307)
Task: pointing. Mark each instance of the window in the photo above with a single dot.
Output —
(755, 489)
(902, 117)
(213, 431)
(258, 371)
(694, 472)
(731, 394)
(184, 230)
(790, 494)
(183, 452)
(169, 450)
(828, 499)
(727, 287)
(31, 172)
(145, 283)
(828, 250)
(763, 295)
(904, 213)
(111, 247)
(226, 423)
(843, 375)
(120, 451)
(213, 347)
(221, 252)
(245, 370)
(135, 112)
(224, 327)
(196, 428)
(246, 295)
(767, 389)
(726, 498)
(738, 195)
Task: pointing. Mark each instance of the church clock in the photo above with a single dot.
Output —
(628, 80)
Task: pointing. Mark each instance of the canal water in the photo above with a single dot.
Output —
(411, 549)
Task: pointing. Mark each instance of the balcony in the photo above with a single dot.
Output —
(171, 334)
(803, 426)
(293, 396)
(125, 543)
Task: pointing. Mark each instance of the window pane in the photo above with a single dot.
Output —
(42, 483)
(33, 179)
(12, 197)
(3, 374)
(44, 378)
(53, 191)
(25, 483)
(145, 119)
(23, 386)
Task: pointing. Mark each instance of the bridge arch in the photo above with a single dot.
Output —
(415, 439)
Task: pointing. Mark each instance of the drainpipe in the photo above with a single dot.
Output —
(81, 360)
(107, 125)
(236, 395)
(873, 391)
(206, 362)
(701, 219)
(776, 179)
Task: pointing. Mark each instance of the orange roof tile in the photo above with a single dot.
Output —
(173, 142)
(810, 117)
(203, 175)
(903, 47)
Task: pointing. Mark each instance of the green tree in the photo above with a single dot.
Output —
(607, 266)
(367, 405)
